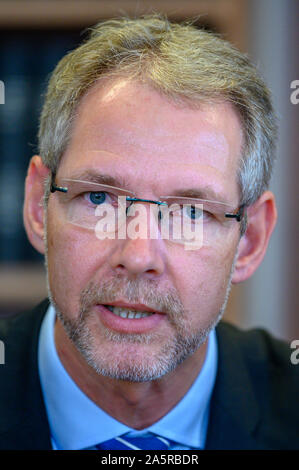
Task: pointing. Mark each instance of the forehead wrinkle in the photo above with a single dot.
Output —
(192, 191)
(118, 170)
(208, 148)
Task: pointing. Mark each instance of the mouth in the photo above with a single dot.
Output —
(129, 311)
(127, 318)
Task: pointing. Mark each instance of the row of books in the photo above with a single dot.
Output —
(26, 59)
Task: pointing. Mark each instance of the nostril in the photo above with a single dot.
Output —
(120, 267)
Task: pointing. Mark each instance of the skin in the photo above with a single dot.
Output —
(128, 129)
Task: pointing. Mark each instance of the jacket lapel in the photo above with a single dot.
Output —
(234, 413)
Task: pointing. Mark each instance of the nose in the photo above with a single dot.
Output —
(140, 254)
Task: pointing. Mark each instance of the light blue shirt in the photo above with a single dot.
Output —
(76, 422)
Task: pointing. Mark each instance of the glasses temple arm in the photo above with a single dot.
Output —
(239, 215)
(54, 188)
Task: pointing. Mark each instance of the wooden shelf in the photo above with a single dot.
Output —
(22, 284)
(229, 16)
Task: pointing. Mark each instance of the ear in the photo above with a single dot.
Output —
(33, 212)
(261, 216)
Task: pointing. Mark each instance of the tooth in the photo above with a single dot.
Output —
(126, 313)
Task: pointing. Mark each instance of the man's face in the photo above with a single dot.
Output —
(131, 133)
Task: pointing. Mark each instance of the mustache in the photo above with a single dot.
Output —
(137, 291)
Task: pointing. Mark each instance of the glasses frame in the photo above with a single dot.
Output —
(238, 214)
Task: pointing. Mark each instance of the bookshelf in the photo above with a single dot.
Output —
(228, 16)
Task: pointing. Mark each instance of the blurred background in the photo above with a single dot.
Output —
(35, 34)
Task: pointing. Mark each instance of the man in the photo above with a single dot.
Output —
(143, 117)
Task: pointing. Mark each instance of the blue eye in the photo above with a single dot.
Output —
(97, 198)
(193, 212)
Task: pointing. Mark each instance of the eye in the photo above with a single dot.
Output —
(192, 212)
(96, 198)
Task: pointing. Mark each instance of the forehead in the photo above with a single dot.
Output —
(124, 126)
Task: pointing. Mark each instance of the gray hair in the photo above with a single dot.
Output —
(186, 64)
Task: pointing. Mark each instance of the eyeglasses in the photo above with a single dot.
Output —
(107, 210)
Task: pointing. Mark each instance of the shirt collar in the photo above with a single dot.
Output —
(76, 422)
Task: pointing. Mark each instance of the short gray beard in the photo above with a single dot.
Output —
(171, 353)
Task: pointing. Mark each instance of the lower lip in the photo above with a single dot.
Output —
(129, 325)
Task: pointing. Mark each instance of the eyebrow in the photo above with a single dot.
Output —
(119, 182)
(99, 178)
(207, 194)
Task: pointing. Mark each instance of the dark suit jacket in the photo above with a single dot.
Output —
(254, 403)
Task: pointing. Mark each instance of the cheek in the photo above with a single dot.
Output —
(73, 257)
(202, 279)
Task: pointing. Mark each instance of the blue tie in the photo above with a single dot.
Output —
(124, 442)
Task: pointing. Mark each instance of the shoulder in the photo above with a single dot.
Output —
(19, 335)
(23, 420)
(256, 360)
(22, 323)
(258, 347)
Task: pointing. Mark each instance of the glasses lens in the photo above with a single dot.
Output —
(181, 223)
(197, 222)
(90, 204)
